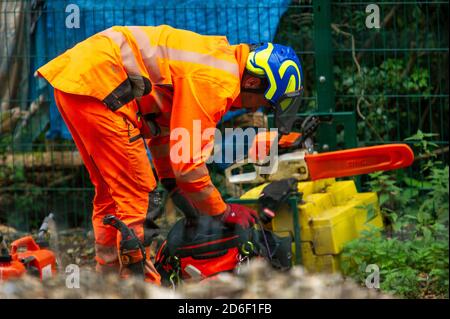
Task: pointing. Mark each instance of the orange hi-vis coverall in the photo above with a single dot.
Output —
(106, 84)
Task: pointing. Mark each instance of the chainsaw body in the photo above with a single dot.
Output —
(330, 213)
(295, 157)
(37, 260)
(28, 255)
(10, 266)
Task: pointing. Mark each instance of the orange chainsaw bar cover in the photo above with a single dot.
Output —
(356, 161)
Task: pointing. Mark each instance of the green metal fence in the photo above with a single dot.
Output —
(383, 84)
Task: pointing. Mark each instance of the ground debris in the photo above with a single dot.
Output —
(259, 280)
(91, 286)
(256, 280)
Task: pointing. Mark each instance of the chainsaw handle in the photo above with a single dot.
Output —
(243, 178)
(26, 241)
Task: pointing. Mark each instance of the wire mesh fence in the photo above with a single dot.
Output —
(394, 78)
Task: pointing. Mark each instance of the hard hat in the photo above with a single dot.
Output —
(282, 68)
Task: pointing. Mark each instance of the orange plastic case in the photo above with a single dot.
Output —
(33, 257)
(10, 268)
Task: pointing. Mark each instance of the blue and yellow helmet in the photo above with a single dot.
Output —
(280, 65)
(282, 68)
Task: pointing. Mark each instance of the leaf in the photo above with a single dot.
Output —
(427, 234)
(416, 183)
(416, 137)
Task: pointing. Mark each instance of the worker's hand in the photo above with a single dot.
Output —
(241, 215)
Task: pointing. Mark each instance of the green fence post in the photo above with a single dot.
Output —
(324, 69)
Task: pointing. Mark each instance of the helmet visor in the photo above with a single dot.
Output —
(286, 109)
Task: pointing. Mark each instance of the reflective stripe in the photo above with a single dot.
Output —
(200, 58)
(106, 254)
(193, 175)
(205, 153)
(202, 194)
(128, 57)
(150, 53)
(140, 87)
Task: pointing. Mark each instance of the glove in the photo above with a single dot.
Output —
(266, 215)
(155, 210)
(241, 215)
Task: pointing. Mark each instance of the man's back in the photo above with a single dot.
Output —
(118, 64)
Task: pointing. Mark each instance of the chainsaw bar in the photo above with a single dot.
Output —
(356, 161)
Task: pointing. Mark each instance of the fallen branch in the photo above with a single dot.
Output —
(433, 153)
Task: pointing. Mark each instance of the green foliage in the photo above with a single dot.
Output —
(413, 252)
(437, 201)
(425, 148)
(391, 197)
(414, 268)
(375, 84)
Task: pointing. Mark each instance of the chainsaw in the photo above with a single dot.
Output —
(200, 250)
(295, 157)
(28, 255)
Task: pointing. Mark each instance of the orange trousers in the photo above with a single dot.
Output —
(117, 162)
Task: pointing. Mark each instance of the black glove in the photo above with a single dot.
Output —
(155, 211)
(273, 195)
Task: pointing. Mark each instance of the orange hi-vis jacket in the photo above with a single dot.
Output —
(192, 79)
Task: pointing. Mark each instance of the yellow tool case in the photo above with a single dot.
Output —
(330, 214)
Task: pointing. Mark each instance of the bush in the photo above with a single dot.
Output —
(413, 252)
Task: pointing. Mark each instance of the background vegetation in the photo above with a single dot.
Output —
(412, 253)
(394, 78)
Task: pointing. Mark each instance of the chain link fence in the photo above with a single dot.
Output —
(392, 80)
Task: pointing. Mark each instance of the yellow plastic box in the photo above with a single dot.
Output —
(332, 214)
